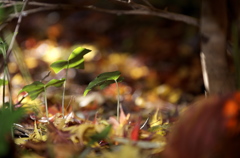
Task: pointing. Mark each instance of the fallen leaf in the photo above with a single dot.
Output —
(36, 136)
(135, 132)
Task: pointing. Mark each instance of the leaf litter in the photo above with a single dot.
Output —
(97, 137)
(93, 130)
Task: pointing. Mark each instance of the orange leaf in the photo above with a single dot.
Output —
(230, 109)
(237, 97)
(230, 112)
(123, 118)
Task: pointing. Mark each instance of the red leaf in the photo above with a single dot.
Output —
(135, 132)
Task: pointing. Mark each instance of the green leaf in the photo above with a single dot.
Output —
(102, 135)
(33, 89)
(3, 82)
(108, 82)
(2, 15)
(3, 46)
(37, 87)
(55, 83)
(75, 60)
(59, 65)
(7, 117)
(103, 80)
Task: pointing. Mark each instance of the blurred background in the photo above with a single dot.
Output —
(158, 58)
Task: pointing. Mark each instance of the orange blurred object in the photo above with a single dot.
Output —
(211, 128)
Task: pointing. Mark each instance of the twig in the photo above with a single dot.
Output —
(16, 28)
(45, 76)
(42, 7)
(160, 13)
(148, 9)
(148, 4)
(10, 49)
(46, 104)
(20, 101)
(144, 124)
(9, 52)
(118, 101)
(21, 130)
(121, 2)
(69, 102)
(31, 11)
(138, 9)
(39, 4)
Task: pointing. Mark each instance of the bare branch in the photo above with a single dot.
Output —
(137, 9)
(38, 4)
(16, 29)
(31, 11)
(148, 4)
(160, 13)
(41, 7)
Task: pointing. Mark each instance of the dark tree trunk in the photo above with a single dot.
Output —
(213, 28)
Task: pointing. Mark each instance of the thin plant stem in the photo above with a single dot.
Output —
(63, 94)
(4, 88)
(7, 54)
(6, 75)
(3, 50)
(118, 100)
(144, 124)
(64, 89)
(6, 72)
(9, 87)
(46, 105)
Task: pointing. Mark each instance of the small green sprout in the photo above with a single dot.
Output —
(103, 80)
(38, 87)
(75, 60)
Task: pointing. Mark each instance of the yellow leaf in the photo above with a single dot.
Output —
(20, 141)
(36, 136)
(125, 151)
(174, 96)
(32, 155)
(158, 139)
(156, 119)
(163, 90)
(80, 132)
(59, 122)
(33, 106)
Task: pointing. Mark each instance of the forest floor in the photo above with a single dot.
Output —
(162, 76)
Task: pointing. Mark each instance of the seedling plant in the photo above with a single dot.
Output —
(105, 79)
(38, 87)
(76, 61)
